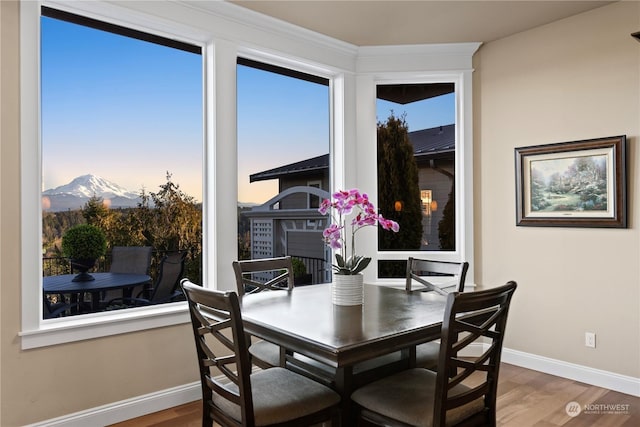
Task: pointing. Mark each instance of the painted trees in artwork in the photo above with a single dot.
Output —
(580, 186)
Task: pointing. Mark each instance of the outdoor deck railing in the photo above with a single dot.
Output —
(318, 268)
(54, 266)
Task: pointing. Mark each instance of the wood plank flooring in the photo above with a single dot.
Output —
(526, 398)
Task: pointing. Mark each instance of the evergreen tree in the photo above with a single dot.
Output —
(398, 182)
(446, 226)
(95, 212)
(173, 223)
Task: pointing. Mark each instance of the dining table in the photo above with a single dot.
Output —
(64, 284)
(305, 321)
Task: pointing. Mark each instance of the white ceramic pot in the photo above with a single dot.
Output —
(347, 289)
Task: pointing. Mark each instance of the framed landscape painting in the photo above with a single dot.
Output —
(572, 184)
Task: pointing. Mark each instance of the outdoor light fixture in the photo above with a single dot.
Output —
(434, 206)
(397, 205)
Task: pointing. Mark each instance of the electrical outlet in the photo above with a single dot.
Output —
(590, 339)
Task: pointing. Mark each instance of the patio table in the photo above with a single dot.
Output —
(64, 284)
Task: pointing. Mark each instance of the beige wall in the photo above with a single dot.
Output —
(575, 79)
(578, 78)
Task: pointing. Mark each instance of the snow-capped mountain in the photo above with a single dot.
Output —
(76, 193)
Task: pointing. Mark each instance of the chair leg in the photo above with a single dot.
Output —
(335, 420)
(207, 418)
(207, 421)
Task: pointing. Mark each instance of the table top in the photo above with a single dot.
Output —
(103, 281)
(305, 320)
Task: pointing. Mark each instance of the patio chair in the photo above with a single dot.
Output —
(232, 394)
(258, 275)
(166, 287)
(129, 259)
(56, 309)
(429, 276)
(420, 397)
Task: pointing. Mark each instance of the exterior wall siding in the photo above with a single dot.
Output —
(440, 186)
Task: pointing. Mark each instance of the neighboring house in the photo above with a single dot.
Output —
(435, 152)
(290, 224)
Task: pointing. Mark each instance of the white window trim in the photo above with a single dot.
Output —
(431, 64)
(37, 332)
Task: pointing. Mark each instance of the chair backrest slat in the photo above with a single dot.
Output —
(419, 270)
(266, 274)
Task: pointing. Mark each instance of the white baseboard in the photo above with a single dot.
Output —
(127, 409)
(597, 377)
(153, 402)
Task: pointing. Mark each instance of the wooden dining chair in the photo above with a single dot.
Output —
(259, 275)
(434, 276)
(232, 394)
(263, 274)
(420, 397)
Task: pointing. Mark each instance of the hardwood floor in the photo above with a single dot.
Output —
(526, 398)
(187, 415)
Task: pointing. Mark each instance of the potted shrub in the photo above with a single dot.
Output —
(84, 244)
(300, 276)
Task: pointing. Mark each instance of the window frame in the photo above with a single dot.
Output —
(36, 331)
(462, 81)
(317, 184)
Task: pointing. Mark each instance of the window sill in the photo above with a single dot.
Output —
(79, 328)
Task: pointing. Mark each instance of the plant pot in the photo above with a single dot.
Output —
(305, 279)
(83, 265)
(347, 289)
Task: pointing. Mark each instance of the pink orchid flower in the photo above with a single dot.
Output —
(344, 203)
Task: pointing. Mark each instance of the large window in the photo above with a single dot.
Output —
(347, 131)
(121, 150)
(416, 143)
(283, 164)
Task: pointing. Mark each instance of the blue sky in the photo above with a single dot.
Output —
(425, 114)
(281, 120)
(146, 120)
(129, 111)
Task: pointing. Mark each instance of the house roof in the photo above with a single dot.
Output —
(314, 164)
(429, 143)
(434, 142)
